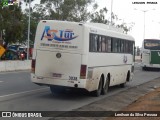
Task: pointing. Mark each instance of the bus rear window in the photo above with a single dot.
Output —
(152, 44)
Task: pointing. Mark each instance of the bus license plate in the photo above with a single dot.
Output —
(56, 75)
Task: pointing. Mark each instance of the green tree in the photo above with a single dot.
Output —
(99, 16)
(126, 27)
(11, 24)
(38, 13)
(71, 10)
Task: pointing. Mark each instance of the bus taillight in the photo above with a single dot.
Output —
(33, 64)
(83, 72)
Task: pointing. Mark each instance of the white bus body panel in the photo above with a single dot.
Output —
(63, 71)
(65, 66)
(112, 64)
(48, 65)
(145, 58)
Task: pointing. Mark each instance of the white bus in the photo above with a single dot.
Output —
(150, 54)
(91, 56)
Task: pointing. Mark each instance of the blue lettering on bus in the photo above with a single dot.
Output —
(61, 35)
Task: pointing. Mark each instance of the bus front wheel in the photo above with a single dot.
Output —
(127, 79)
(105, 88)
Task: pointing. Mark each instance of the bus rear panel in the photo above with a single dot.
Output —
(151, 53)
(58, 51)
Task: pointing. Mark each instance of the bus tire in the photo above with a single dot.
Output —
(105, 88)
(97, 92)
(144, 68)
(127, 79)
(122, 85)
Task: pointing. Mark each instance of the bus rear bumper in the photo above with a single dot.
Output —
(81, 83)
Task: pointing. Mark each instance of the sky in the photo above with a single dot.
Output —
(129, 12)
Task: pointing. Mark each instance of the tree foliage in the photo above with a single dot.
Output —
(70, 10)
(11, 24)
(14, 22)
(99, 16)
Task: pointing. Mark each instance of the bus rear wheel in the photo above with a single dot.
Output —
(97, 92)
(122, 85)
(105, 88)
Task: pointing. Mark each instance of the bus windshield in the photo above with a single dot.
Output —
(152, 44)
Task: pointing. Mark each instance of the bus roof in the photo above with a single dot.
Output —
(151, 39)
(111, 30)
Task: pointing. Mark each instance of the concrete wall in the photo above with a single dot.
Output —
(25, 65)
(15, 65)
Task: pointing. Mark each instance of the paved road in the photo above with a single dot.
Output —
(15, 82)
(17, 93)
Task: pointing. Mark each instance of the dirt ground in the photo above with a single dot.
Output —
(149, 102)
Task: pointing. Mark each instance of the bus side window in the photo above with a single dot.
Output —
(111, 44)
(108, 45)
(118, 45)
(96, 43)
(122, 46)
(125, 46)
(104, 43)
(127, 50)
(99, 44)
(130, 47)
(95, 37)
(114, 45)
(93, 43)
(90, 43)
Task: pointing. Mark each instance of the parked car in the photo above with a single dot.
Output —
(17, 47)
(14, 47)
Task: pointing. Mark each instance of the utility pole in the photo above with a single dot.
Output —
(1, 32)
(28, 30)
(144, 11)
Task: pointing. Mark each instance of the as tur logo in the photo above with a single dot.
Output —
(58, 35)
